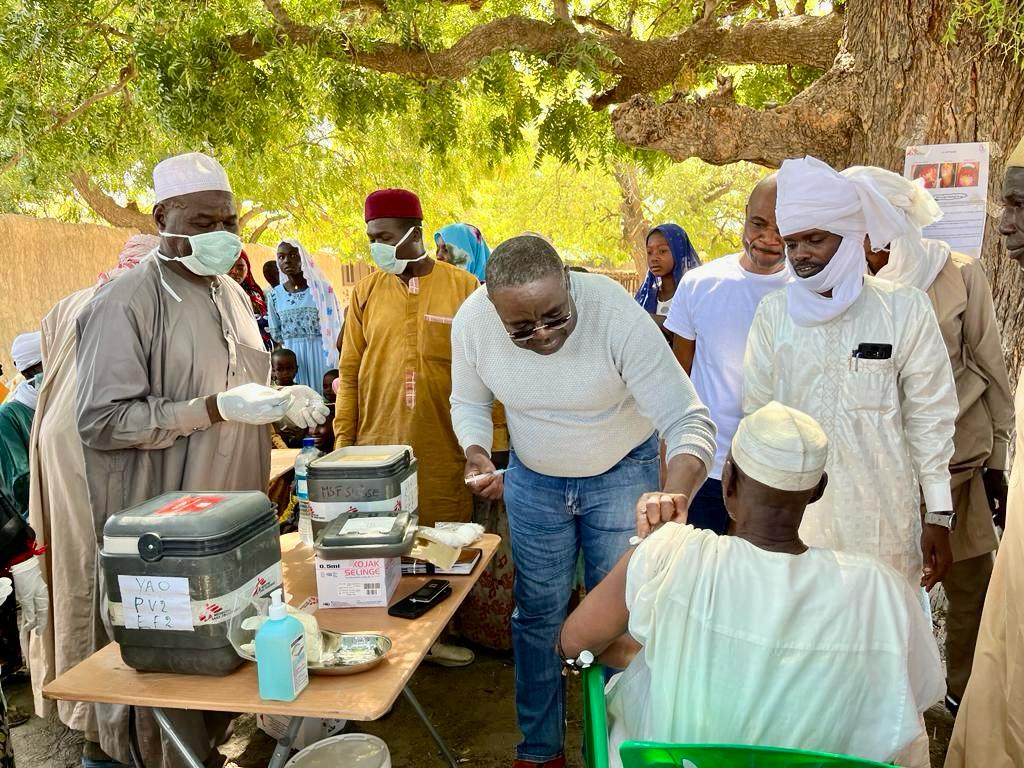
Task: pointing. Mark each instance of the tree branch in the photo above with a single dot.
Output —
(819, 122)
(246, 217)
(590, 21)
(108, 209)
(641, 65)
(649, 65)
(128, 74)
(262, 228)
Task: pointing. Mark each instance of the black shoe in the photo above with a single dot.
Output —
(952, 704)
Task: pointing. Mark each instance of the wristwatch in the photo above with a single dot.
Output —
(945, 519)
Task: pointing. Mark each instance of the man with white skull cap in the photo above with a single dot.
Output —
(172, 395)
(866, 359)
(755, 637)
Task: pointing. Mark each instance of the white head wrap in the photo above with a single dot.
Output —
(781, 447)
(26, 351)
(913, 261)
(188, 173)
(812, 195)
(331, 317)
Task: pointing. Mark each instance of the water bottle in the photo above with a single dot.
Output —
(306, 455)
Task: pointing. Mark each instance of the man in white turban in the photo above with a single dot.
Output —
(866, 359)
(172, 394)
(16, 421)
(989, 728)
(756, 638)
(962, 300)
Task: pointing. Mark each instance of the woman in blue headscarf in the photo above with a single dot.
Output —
(669, 256)
(463, 246)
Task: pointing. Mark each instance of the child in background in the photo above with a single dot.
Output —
(284, 367)
(330, 390)
(324, 433)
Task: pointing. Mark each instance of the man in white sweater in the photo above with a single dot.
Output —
(589, 386)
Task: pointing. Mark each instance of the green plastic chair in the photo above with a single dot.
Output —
(646, 754)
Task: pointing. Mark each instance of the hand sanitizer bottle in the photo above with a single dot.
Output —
(281, 654)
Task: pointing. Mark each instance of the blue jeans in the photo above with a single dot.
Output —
(550, 520)
(707, 509)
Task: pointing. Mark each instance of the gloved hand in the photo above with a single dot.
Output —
(30, 591)
(307, 408)
(253, 404)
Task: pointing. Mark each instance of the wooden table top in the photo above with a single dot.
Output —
(105, 678)
(281, 461)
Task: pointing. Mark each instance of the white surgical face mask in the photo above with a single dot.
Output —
(385, 255)
(213, 253)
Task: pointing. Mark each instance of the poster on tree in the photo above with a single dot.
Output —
(957, 177)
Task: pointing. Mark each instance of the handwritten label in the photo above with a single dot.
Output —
(156, 603)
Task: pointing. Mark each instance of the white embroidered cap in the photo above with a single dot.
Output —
(188, 173)
(781, 447)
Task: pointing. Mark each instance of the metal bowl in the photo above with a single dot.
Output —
(348, 653)
(344, 653)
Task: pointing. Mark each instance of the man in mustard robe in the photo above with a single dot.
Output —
(396, 361)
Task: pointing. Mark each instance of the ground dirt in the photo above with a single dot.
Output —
(472, 708)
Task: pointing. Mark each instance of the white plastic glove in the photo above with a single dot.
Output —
(253, 404)
(31, 594)
(307, 408)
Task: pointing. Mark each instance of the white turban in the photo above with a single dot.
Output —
(26, 351)
(185, 174)
(781, 447)
(913, 261)
(812, 195)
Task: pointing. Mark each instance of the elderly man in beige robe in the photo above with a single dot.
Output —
(962, 300)
(989, 730)
(59, 510)
(172, 395)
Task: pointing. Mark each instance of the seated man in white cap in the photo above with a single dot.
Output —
(172, 395)
(866, 359)
(756, 638)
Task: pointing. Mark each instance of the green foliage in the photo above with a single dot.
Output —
(110, 88)
(1002, 21)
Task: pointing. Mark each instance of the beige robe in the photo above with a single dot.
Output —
(989, 730)
(962, 300)
(145, 365)
(60, 515)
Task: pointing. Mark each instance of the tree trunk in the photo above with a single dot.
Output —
(631, 213)
(912, 89)
(893, 84)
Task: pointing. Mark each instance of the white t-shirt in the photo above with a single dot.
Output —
(715, 305)
(823, 651)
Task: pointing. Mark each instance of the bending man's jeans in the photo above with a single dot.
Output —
(550, 520)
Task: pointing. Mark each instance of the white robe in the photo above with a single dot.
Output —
(145, 364)
(889, 422)
(822, 651)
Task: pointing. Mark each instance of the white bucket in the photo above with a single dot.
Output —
(350, 750)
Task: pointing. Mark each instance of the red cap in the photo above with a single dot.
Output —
(392, 204)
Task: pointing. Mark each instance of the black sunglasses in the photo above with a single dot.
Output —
(551, 325)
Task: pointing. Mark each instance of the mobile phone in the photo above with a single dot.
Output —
(422, 600)
(873, 351)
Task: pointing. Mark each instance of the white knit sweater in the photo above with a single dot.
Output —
(578, 412)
